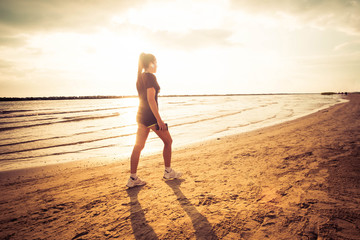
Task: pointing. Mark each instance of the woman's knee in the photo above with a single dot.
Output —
(168, 141)
(139, 147)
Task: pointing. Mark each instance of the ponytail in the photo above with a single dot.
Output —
(144, 60)
(140, 66)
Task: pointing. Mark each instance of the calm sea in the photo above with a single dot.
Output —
(36, 133)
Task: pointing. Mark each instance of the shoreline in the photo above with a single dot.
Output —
(101, 160)
(10, 99)
(296, 180)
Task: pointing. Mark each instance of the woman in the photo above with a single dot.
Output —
(148, 117)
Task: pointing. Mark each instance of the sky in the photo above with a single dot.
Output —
(83, 48)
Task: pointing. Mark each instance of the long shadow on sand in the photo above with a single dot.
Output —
(141, 229)
(203, 229)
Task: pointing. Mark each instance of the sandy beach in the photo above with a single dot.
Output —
(296, 180)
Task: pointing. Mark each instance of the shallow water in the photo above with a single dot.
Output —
(36, 133)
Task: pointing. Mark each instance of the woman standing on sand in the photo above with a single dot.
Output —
(148, 117)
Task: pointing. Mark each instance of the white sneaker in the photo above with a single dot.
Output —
(135, 182)
(172, 174)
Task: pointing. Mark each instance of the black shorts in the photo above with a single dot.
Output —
(146, 117)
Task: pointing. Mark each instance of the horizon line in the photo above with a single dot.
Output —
(135, 96)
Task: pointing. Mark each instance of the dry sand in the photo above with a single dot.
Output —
(296, 180)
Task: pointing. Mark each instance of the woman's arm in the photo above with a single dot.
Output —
(154, 108)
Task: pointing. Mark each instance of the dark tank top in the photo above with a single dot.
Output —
(145, 115)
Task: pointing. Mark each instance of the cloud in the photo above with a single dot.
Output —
(183, 40)
(193, 39)
(5, 64)
(12, 41)
(342, 15)
(9, 77)
(349, 59)
(352, 46)
(20, 19)
(39, 15)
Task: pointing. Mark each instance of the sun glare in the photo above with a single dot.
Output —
(177, 16)
(104, 57)
(197, 44)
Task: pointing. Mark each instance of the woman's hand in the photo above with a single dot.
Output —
(162, 125)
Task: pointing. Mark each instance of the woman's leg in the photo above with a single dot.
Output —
(141, 136)
(166, 138)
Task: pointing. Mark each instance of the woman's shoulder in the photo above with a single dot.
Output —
(149, 76)
(149, 80)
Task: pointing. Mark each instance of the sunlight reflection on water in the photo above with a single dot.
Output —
(37, 133)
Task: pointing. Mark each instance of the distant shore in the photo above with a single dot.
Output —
(7, 99)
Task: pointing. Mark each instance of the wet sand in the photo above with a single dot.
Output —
(296, 180)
